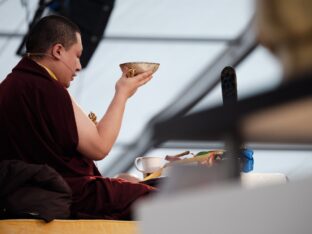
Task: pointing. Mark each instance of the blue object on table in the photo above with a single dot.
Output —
(247, 160)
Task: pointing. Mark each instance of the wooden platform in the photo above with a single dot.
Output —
(23, 226)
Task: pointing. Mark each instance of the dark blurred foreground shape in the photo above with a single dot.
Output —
(285, 27)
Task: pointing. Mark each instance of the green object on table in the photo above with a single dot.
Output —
(202, 153)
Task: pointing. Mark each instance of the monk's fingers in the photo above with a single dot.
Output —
(144, 81)
(143, 76)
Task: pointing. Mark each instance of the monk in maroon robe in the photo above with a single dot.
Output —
(41, 123)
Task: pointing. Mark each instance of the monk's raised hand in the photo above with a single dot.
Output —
(127, 86)
(143, 78)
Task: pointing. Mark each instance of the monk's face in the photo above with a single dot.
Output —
(69, 62)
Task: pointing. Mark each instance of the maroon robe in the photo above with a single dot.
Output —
(38, 125)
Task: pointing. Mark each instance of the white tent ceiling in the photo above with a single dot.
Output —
(183, 36)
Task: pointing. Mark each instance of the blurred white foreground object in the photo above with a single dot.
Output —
(230, 208)
(249, 180)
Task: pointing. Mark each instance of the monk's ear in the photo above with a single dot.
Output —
(57, 50)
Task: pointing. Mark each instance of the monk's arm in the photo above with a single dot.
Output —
(96, 141)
